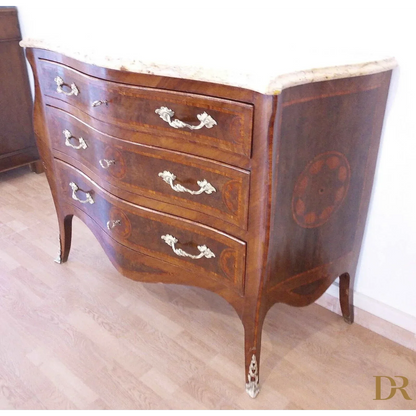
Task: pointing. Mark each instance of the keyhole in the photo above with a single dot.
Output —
(321, 191)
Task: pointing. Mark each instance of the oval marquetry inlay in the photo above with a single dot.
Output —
(320, 189)
(231, 195)
(118, 169)
(123, 229)
(228, 261)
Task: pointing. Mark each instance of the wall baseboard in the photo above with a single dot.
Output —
(375, 316)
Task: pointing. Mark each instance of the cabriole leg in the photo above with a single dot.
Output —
(65, 235)
(346, 295)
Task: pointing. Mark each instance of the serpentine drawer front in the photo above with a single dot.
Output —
(171, 239)
(257, 191)
(216, 189)
(209, 121)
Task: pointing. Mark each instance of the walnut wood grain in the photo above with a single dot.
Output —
(311, 166)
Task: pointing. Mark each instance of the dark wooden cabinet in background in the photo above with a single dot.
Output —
(17, 142)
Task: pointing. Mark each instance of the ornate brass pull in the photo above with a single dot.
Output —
(88, 196)
(170, 240)
(68, 135)
(205, 120)
(113, 223)
(97, 103)
(105, 163)
(204, 185)
(60, 83)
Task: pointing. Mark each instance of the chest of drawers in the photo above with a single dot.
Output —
(258, 197)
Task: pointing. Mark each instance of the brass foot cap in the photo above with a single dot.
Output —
(252, 389)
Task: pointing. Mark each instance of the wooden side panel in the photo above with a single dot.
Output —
(328, 135)
(16, 130)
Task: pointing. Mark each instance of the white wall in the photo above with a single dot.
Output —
(387, 270)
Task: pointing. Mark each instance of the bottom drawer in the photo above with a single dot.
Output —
(189, 245)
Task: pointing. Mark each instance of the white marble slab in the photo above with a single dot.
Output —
(264, 73)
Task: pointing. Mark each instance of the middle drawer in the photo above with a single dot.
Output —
(216, 189)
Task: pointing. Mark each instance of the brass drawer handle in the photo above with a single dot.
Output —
(170, 240)
(205, 120)
(113, 223)
(97, 103)
(60, 83)
(88, 196)
(68, 135)
(105, 163)
(204, 185)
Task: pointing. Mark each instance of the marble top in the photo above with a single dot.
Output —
(268, 74)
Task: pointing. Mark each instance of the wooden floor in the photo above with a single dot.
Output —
(81, 336)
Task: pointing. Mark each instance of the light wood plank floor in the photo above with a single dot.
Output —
(80, 336)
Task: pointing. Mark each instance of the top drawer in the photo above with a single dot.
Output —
(190, 118)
